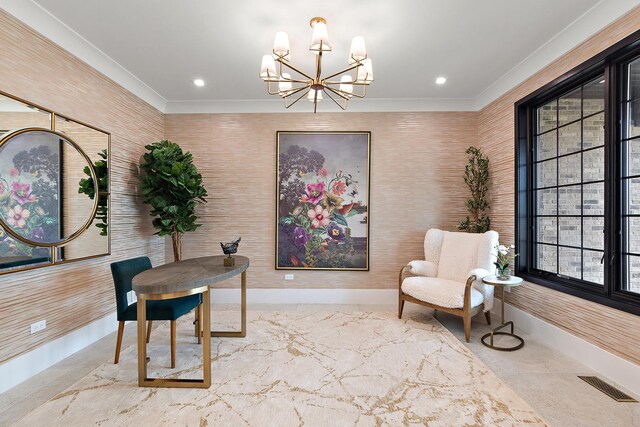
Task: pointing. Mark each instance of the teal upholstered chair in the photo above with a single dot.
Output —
(171, 309)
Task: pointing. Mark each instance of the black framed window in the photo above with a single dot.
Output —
(578, 180)
(630, 176)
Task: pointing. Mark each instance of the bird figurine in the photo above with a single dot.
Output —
(231, 247)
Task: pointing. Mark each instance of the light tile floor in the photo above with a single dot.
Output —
(543, 377)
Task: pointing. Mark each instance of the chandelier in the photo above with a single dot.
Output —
(339, 87)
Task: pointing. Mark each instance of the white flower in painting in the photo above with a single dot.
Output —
(17, 217)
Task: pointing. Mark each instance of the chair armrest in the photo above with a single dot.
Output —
(475, 279)
(480, 273)
(423, 268)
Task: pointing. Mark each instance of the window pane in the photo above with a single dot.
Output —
(548, 117)
(570, 262)
(593, 233)
(632, 233)
(592, 268)
(547, 145)
(632, 264)
(593, 96)
(569, 169)
(633, 84)
(570, 200)
(633, 118)
(633, 196)
(593, 164)
(570, 230)
(546, 201)
(593, 131)
(569, 139)
(633, 157)
(546, 173)
(570, 107)
(546, 230)
(547, 258)
(593, 199)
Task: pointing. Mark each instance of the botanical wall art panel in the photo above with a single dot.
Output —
(323, 200)
(29, 196)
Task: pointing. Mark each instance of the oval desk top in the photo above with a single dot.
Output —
(186, 275)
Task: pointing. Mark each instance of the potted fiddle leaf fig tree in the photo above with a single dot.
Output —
(172, 185)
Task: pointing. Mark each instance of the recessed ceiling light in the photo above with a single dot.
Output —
(198, 82)
(601, 81)
(441, 80)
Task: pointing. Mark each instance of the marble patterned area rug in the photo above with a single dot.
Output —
(298, 368)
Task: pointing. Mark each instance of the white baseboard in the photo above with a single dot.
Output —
(307, 296)
(615, 368)
(23, 367)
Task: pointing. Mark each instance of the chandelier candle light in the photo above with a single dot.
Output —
(358, 73)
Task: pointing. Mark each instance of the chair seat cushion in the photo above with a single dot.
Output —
(442, 292)
(169, 309)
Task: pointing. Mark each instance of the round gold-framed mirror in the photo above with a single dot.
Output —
(32, 203)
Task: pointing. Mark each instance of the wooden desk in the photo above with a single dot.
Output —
(178, 279)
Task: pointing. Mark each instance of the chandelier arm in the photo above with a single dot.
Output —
(299, 98)
(350, 94)
(338, 92)
(290, 91)
(346, 70)
(286, 64)
(333, 99)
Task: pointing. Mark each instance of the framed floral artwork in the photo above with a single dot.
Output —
(30, 198)
(322, 200)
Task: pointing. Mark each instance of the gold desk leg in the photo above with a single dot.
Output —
(144, 381)
(142, 341)
(243, 314)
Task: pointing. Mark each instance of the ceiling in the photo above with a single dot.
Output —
(474, 44)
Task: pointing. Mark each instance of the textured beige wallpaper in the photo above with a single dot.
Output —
(611, 329)
(73, 295)
(417, 162)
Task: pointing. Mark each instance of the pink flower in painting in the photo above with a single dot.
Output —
(338, 188)
(13, 172)
(319, 217)
(315, 192)
(17, 217)
(21, 193)
(323, 172)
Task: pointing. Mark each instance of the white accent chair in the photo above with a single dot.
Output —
(450, 277)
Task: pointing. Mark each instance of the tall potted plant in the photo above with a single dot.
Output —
(476, 176)
(171, 184)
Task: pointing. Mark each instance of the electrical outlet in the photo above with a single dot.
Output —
(288, 277)
(38, 326)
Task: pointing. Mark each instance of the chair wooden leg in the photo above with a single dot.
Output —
(467, 326)
(149, 330)
(173, 344)
(119, 341)
(400, 306)
(487, 315)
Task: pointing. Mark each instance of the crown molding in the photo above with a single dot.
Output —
(586, 25)
(58, 32)
(277, 106)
